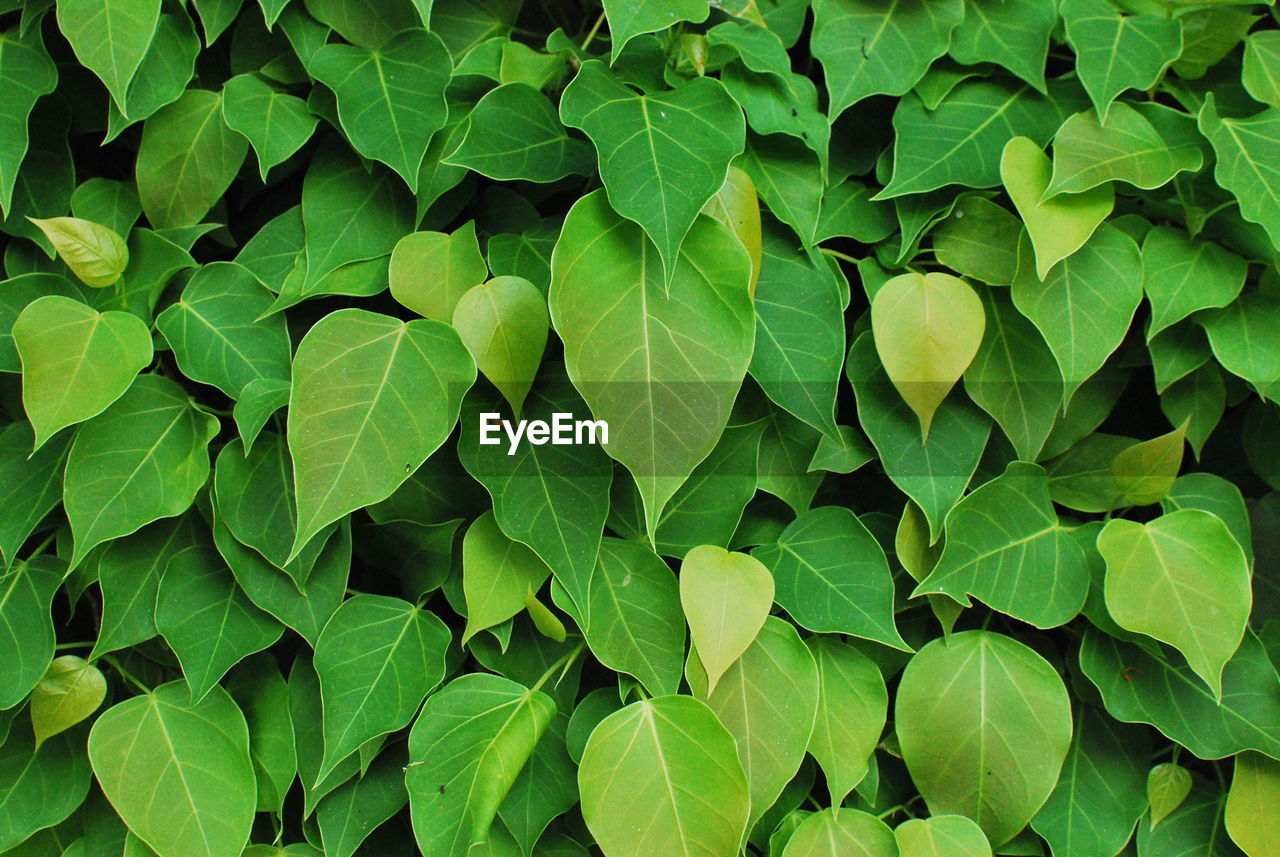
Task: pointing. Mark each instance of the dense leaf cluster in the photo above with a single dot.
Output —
(938, 343)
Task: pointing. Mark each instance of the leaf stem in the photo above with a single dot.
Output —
(836, 254)
(87, 645)
(591, 34)
(115, 664)
(562, 664)
(40, 548)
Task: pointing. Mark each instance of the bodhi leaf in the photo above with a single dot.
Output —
(27, 73)
(841, 832)
(357, 808)
(110, 37)
(260, 690)
(1058, 226)
(178, 774)
(431, 271)
(504, 325)
(26, 595)
(42, 787)
(941, 836)
(662, 776)
(980, 240)
(1115, 51)
(465, 750)
(94, 253)
(1247, 154)
(831, 575)
(498, 573)
(70, 691)
(1182, 276)
(631, 18)
(30, 485)
(390, 97)
(1238, 336)
(852, 703)
(866, 49)
(1167, 787)
(1144, 473)
(984, 723)
(1127, 148)
(726, 598)
(514, 133)
(1182, 579)
(661, 156)
(75, 361)
(1011, 33)
(927, 330)
(377, 658)
(276, 123)
(1261, 72)
(142, 459)
(1251, 816)
(207, 620)
(355, 442)
(660, 364)
(737, 206)
(1006, 546)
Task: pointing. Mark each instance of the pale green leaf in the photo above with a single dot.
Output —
(726, 598)
(852, 704)
(431, 271)
(70, 691)
(497, 575)
(504, 324)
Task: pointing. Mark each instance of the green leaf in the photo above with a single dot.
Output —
(1182, 276)
(215, 331)
(27, 589)
(498, 573)
(258, 688)
(454, 263)
(94, 253)
(661, 156)
(927, 328)
(1186, 560)
(377, 658)
(1128, 148)
(355, 809)
(1247, 151)
(1261, 73)
(1115, 52)
(546, 788)
(866, 49)
(979, 239)
(110, 37)
(933, 472)
(187, 159)
(466, 749)
(30, 485)
(70, 691)
(1251, 816)
(768, 701)
(662, 776)
(75, 361)
(276, 124)
(305, 709)
(1141, 686)
(178, 774)
(788, 176)
(1195, 826)
(112, 203)
(42, 787)
(841, 832)
(1102, 791)
(631, 18)
(216, 16)
(504, 325)
(142, 459)
(26, 73)
(391, 97)
(941, 836)
(1168, 785)
(1011, 33)
(367, 23)
(1084, 306)
(984, 723)
(357, 423)
(167, 68)
(1239, 336)
(852, 703)
(642, 353)
(258, 401)
(254, 492)
(1144, 473)
(1014, 377)
(635, 623)
(1006, 547)
(514, 133)
(1057, 226)
(726, 598)
(206, 619)
(1213, 494)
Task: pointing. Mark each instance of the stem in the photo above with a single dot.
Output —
(115, 664)
(61, 646)
(40, 548)
(563, 664)
(836, 254)
(591, 34)
(891, 810)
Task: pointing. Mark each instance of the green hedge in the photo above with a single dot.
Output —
(937, 343)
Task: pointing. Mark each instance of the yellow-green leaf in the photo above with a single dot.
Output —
(94, 253)
(1253, 805)
(726, 598)
(1144, 473)
(71, 690)
(504, 325)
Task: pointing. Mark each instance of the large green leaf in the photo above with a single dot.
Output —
(504, 325)
(1182, 276)
(1261, 71)
(1182, 579)
(75, 361)
(42, 786)
(178, 774)
(187, 159)
(1240, 337)
(1011, 33)
(26, 73)
(390, 98)
(852, 703)
(514, 133)
(1115, 52)
(431, 271)
(631, 18)
(26, 595)
(984, 723)
(661, 365)
(662, 776)
(276, 123)
(1126, 147)
(831, 575)
(110, 37)
(377, 658)
(867, 49)
(1250, 815)
(1005, 546)
(142, 459)
(465, 750)
(359, 422)
(1247, 151)
(162, 78)
(661, 156)
(206, 619)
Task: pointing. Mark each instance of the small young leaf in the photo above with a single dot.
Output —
(726, 598)
(1144, 473)
(1167, 787)
(497, 575)
(71, 690)
(94, 253)
(504, 325)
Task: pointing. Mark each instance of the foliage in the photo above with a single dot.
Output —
(938, 343)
